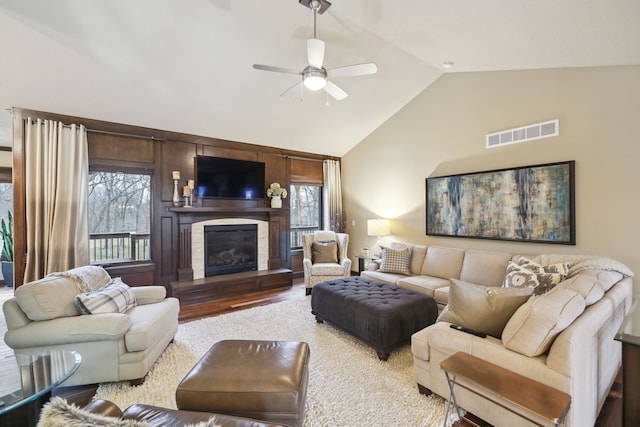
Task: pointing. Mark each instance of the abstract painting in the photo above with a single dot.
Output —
(528, 204)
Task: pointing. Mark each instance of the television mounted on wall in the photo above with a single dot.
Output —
(218, 177)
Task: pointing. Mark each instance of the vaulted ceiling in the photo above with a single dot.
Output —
(186, 66)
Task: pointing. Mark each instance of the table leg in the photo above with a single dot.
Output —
(452, 398)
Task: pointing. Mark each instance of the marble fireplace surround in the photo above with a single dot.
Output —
(197, 242)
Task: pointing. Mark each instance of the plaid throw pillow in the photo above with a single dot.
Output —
(396, 260)
(114, 297)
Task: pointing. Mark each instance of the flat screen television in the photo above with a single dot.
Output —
(217, 177)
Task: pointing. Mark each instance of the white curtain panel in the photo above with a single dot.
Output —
(332, 196)
(56, 181)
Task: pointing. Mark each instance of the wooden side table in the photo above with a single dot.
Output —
(536, 402)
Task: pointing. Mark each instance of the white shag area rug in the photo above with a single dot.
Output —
(348, 385)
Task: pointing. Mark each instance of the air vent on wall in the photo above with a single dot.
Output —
(522, 134)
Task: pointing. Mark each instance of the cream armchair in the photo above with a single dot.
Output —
(317, 268)
(115, 346)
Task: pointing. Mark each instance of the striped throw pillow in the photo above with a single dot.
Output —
(114, 297)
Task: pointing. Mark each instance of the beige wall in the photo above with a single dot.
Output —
(442, 131)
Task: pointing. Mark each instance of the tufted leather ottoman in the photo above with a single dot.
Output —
(382, 315)
(263, 380)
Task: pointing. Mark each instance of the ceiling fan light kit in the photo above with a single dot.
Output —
(315, 76)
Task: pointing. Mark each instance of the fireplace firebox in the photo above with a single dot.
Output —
(230, 248)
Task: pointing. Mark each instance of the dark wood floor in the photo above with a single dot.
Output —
(610, 415)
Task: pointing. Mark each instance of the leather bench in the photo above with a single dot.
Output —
(382, 315)
(263, 380)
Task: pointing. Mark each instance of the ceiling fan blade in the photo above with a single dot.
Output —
(353, 70)
(275, 69)
(293, 90)
(335, 91)
(315, 52)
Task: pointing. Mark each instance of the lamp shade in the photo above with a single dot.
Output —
(378, 227)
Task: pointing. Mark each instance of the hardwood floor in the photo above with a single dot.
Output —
(610, 415)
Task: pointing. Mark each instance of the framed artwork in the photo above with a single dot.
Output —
(525, 204)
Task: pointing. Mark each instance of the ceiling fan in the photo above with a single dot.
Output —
(315, 76)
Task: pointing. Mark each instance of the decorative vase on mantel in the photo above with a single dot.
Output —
(276, 202)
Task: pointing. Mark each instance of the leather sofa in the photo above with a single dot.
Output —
(58, 413)
(115, 346)
(580, 356)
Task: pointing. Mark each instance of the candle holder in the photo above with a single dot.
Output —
(176, 196)
(188, 201)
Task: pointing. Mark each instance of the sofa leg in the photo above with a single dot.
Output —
(137, 381)
(423, 390)
(307, 291)
(319, 319)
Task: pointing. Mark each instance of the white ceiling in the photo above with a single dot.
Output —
(186, 66)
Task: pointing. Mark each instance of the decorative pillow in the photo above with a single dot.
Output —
(115, 297)
(536, 323)
(396, 260)
(324, 251)
(483, 309)
(530, 274)
(59, 413)
(561, 267)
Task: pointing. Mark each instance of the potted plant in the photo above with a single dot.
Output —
(276, 193)
(6, 232)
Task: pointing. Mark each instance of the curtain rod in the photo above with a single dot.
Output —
(128, 135)
(106, 132)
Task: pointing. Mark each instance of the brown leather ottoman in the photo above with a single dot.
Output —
(263, 380)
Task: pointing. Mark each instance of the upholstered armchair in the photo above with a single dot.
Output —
(325, 257)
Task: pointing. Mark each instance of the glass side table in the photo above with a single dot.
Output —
(629, 336)
(27, 382)
(362, 261)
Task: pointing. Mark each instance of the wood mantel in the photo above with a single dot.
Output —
(188, 216)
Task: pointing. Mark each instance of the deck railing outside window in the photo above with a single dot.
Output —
(298, 232)
(119, 247)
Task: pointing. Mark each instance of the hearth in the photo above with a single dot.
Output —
(230, 248)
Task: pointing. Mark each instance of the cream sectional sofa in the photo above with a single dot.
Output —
(114, 346)
(563, 338)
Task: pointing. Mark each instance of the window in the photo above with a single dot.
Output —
(119, 216)
(306, 211)
(6, 204)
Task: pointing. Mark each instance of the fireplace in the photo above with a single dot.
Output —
(230, 248)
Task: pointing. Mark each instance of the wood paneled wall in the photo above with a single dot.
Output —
(114, 145)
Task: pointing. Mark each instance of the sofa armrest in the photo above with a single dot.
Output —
(68, 330)
(106, 408)
(149, 294)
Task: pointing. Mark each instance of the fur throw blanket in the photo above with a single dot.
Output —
(59, 413)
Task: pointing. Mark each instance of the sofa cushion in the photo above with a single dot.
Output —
(395, 260)
(418, 253)
(484, 268)
(115, 297)
(441, 295)
(586, 284)
(379, 276)
(324, 251)
(423, 284)
(534, 326)
(445, 263)
(48, 298)
(480, 308)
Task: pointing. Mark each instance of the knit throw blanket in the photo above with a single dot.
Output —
(578, 263)
(87, 278)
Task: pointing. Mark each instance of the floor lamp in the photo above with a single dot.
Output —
(378, 228)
